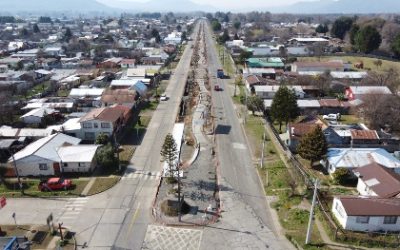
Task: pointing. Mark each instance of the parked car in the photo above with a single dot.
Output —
(55, 184)
(164, 97)
(217, 88)
(332, 117)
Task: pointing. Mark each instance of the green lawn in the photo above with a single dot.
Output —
(125, 154)
(102, 184)
(37, 89)
(368, 62)
(11, 189)
(275, 177)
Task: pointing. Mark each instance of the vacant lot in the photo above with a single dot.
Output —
(368, 62)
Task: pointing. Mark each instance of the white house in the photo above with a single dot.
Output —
(352, 158)
(378, 181)
(105, 120)
(35, 116)
(47, 156)
(78, 159)
(367, 214)
(269, 91)
(128, 63)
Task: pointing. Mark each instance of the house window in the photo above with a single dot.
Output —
(87, 125)
(43, 166)
(81, 164)
(339, 210)
(95, 125)
(390, 220)
(65, 165)
(362, 219)
(105, 125)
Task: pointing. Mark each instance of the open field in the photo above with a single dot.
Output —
(368, 62)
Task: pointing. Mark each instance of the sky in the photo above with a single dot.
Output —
(235, 4)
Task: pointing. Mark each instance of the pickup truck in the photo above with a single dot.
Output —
(331, 117)
(55, 183)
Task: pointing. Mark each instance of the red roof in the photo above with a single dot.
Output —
(300, 129)
(333, 103)
(359, 206)
(382, 180)
(364, 134)
(103, 114)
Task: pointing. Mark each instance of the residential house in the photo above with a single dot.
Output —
(333, 106)
(107, 120)
(271, 62)
(128, 63)
(351, 158)
(87, 97)
(269, 91)
(174, 38)
(364, 137)
(124, 97)
(377, 181)
(260, 72)
(295, 131)
(114, 62)
(253, 80)
(36, 116)
(359, 92)
(367, 214)
(50, 156)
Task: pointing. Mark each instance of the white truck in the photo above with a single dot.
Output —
(332, 117)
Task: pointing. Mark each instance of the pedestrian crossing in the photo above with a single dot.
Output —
(72, 210)
(143, 175)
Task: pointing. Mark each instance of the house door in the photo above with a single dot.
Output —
(56, 167)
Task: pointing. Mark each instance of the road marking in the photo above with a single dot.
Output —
(134, 217)
(145, 175)
(237, 145)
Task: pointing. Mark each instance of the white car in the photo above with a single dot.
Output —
(332, 117)
(163, 97)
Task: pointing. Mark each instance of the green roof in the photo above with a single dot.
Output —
(271, 62)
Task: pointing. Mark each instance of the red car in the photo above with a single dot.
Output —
(217, 88)
(55, 184)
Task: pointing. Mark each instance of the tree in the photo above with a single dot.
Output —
(243, 56)
(341, 26)
(216, 26)
(341, 175)
(24, 32)
(237, 25)
(395, 46)
(284, 106)
(179, 28)
(322, 28)
(313, 146)
(381, 111)
(67, 35)
(353, 33)
(44, 19)
(255, 103)
(224, 37)
(368, 39)
(105, 156)
(155, 34)
(102, 139)
(169, 153)
(36, 28)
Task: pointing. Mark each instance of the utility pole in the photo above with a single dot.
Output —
(21, 188)
(262, 152)
(310, 221)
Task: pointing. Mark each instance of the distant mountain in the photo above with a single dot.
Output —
(159, 6)
(81, 6)
(341, 6)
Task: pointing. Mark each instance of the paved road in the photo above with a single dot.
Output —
(243, 190)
